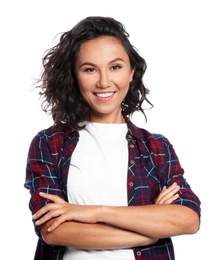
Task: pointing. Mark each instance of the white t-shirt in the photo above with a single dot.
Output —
(98, 176)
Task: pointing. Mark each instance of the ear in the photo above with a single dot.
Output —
(132, 74)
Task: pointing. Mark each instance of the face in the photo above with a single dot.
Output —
(104, 73)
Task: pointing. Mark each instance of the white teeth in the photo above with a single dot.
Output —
(104, 95)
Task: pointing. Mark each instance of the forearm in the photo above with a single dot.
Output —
(153, 220)
(79, 224)
(93, 236)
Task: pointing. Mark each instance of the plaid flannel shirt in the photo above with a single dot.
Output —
(152, 164)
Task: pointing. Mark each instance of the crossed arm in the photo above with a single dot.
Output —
(113, 227)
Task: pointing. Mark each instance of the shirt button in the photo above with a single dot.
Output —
(131, 183)
(138, 253)
(131, 145)
(132, 161)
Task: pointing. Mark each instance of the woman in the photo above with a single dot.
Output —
(102, 188)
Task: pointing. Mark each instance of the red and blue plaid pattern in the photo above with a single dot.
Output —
(152, 164)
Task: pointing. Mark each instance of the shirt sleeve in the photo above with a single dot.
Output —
(42, 172)
(175, 173)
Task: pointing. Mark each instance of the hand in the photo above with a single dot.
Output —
(168, 195)
(64, 211)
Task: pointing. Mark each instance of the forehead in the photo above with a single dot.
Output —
(105, 45)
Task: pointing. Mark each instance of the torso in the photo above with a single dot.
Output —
(98, 176)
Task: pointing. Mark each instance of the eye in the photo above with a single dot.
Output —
(89, 69)
(116, 67)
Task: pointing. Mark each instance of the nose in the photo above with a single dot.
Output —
(103, 80)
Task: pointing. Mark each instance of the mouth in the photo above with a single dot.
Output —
(104, 95)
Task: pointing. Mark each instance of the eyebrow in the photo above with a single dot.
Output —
(92, 64)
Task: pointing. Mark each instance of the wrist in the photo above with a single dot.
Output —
(102, 215)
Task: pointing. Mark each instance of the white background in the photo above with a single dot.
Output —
(180, 42)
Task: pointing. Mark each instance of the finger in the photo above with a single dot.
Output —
(167, 194)
(171, 192)
(44, 210)
(169, 189)
(166, 190)
(51, 214)
(163, 192)
(160, 195)
(168, 200)
(40, 212)
(171, 199)
(64, 215)
(52, 197)
(56, 223)
(42, 220)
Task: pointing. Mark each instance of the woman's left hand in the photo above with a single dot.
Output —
(168, 195)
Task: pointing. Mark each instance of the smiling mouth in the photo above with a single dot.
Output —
(104, 95)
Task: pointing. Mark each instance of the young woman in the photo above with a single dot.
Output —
(102, 188)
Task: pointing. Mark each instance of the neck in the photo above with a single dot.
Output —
(105, 119)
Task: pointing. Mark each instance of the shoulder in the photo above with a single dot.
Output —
(153, 138)
(148, 138)
(53, 137)
(50, 133)
(155, 142)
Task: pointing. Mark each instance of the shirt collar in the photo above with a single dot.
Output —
(133, 130)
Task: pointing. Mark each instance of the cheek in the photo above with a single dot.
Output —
(124, 83)
(85, 84)
(125, 79)
(84, 92)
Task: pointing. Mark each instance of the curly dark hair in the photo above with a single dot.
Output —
(58, 85)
